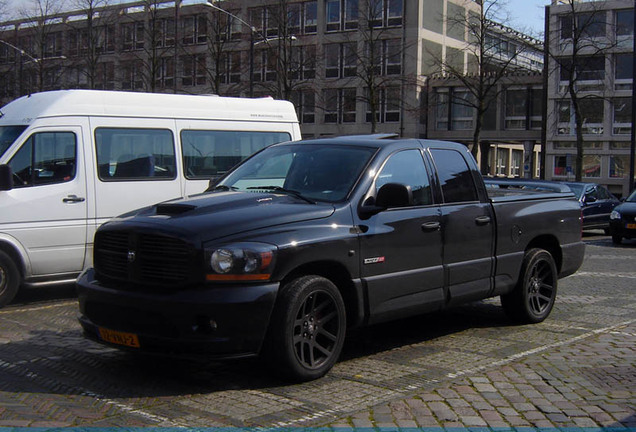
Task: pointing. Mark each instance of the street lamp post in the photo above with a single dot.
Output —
(22, 53)
(252, 31)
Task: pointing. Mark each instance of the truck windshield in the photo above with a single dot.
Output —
(315, 172)
(8, 135)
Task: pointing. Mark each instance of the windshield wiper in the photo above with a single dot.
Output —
(283, 190)
(223, 188)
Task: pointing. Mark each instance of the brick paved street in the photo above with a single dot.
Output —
(469, 367)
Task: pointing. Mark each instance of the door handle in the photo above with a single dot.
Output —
(482, 220)
(73, 199)
(430, 226)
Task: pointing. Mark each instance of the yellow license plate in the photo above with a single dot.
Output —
(631, 226)
(119, 338)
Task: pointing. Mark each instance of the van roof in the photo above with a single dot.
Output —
(147, 105)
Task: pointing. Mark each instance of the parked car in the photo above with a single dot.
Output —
(623, 220)
(597, 204)
(305, 240)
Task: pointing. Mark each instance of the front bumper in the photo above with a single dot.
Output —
(618, 227)
(216, 321)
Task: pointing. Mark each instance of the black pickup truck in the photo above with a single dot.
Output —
(307, 239)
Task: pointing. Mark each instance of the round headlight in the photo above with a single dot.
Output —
(615, 215)
(221, 260)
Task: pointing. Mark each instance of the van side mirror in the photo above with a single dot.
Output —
(6, 178)
(390, 195)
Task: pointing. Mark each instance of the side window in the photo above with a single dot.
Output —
(135, 154)
(454, 176)
(407, 167)
(208, 153)
(45, 158)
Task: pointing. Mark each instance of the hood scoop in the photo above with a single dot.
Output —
(174, 209)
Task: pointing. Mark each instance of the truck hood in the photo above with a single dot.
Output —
(218, 214)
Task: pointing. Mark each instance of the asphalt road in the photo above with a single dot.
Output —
(50, 376)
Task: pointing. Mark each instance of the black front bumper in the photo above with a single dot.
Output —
(618, 227)
(219, 322)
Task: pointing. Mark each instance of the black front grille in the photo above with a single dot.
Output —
(142, 258)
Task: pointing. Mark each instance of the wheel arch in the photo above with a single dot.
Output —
(551, 244)
(15, 254)
(338, 274)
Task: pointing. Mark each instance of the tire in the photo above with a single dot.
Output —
(9, 279)
(307, 329)
(533, 298)
(616, 239)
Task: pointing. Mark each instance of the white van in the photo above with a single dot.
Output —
(72, 159)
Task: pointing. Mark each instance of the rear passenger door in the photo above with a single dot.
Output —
(401, 248)
(467, 229)
(135, 166)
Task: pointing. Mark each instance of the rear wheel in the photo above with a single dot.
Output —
(9, 279)
(534, 296)
(307, 329)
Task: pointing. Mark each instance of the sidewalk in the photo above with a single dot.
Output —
(587, 383)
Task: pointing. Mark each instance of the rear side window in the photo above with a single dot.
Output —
(208, 153)
(45, 158)
(454, 176)
(135, 154)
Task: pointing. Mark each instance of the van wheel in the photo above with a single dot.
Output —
(307, 329)
(533, 298)
(9, 279)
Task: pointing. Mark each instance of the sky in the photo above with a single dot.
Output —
(525, 14)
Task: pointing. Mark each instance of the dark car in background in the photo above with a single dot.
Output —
(623, 220)
(597, 204)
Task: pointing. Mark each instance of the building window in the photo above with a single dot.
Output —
(305, 103)
(619, 166)
(625, 22)
(105, 76)
(516, 109)
(393, 56)
(592, 111)
(165, 73)
(340, 60)
(53, 45)
(442, 107)
(132, 36)
(622, 124)
(194, 70)
(311, 17)
(462, 111)
(333, 15)
(272, 21)
(294, 16)
(591, 166)
(515, 163)
(564, 165)
(623, 71)
(132, 75)
(501, 168)
(195, 29)
(340, 105)
(588, 25)
(387, 105)
(589, 68)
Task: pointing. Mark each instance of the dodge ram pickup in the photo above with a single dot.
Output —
(305, 240)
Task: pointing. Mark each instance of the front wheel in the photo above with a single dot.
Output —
(307, 329)
(616, 239)
(534, 296)
(9, 279)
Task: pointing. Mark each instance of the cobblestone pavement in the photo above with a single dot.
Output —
(468, 367)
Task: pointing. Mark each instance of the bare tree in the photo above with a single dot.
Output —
(580, 47)
(485, 61)
(91, 38)
(44, 41)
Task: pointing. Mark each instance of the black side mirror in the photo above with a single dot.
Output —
(589, 199)
(389, 195)
(6, 178)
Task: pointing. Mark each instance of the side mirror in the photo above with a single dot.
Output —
(390, 195)
(589, 199)
(6, 178)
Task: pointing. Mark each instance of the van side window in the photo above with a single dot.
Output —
(135, 154)
(45, 158)
(209, 153)
(407, 167)
(454, 176)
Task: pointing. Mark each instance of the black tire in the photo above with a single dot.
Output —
(533, 298)
(307, 329)
(9, 279)
(616, 239)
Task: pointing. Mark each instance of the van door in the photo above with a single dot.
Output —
(136, 165)
(46, 210)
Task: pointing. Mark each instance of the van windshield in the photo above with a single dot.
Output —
(313, 172)
(8, 135)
